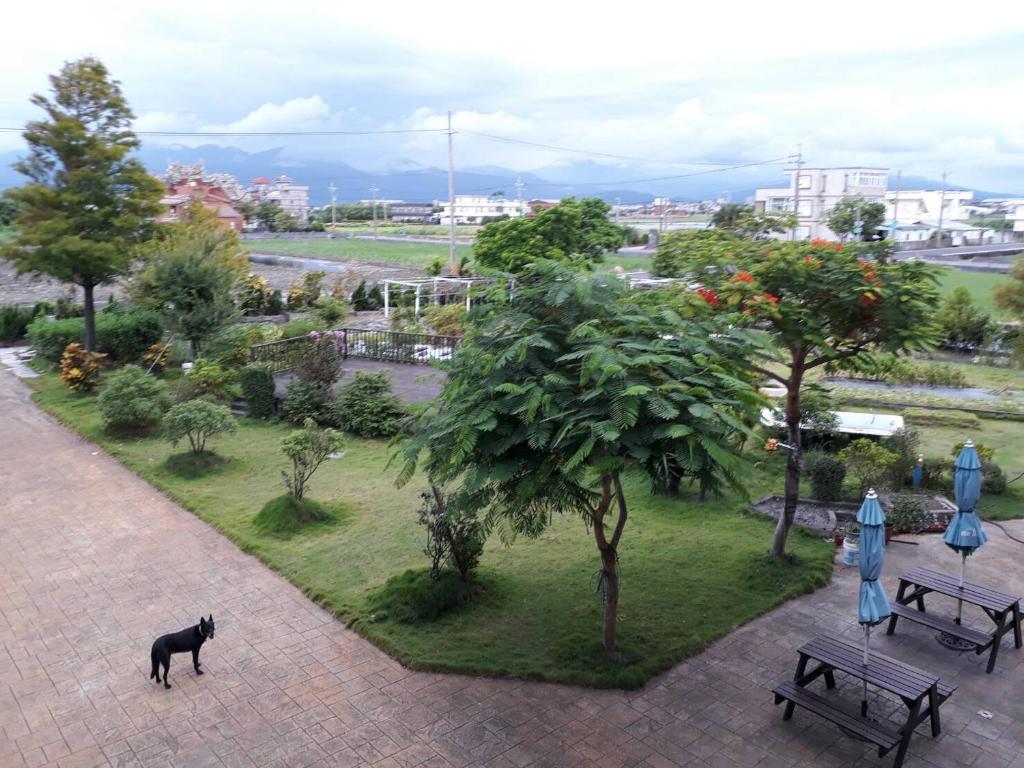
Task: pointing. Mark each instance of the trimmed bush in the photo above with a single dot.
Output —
(286, 514)
(206, 379)
(231, 345)
(133, 399)
(197, 420)
(50, 338)
(331, 311)
(14, 322)
(257, 383)
(413, 597)
(827, 476)
(300, 327)
(305, 401)
(868, 462)
(993, 480)
(367, 407)
(908, 514)
(124, 334)
(446, 320)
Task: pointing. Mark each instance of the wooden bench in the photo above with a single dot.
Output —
(882, 736)
(1001, 608)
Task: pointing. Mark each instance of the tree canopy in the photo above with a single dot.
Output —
(87, 203)
(557, 393)
(574, 232)
(843, 217)
(819, 303)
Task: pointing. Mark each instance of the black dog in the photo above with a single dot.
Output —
(190, 639)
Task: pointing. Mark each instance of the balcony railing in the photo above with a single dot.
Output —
(387, 346)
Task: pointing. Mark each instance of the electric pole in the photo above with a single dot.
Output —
(374, 190)
(519, 194)
(796, 189)
(453, 264)
(334, 206)
(942, 205)
(618, 205)
(896, 205)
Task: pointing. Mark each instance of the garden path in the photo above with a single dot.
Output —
(94, 564)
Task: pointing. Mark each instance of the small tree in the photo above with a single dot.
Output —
(133, 399)
(566, 389)
(197, 420)
(307, 448)
(191, 276)
(867, 462)
(368, 407)
(961, 322)
(320, 360)
(87, 204)
(850, 212)
(455, 536)
(728, 215)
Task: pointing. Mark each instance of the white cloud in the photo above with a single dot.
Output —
(301, 114)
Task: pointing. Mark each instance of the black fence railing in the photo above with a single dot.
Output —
(387, 346)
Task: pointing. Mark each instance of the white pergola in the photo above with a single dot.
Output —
(432, 289)
(644, 281)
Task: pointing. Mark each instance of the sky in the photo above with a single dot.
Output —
(922, 88)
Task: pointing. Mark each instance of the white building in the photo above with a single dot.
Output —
(292, 198)
(818, 190)
(476, 209)
(1015, 213)
(910, 206)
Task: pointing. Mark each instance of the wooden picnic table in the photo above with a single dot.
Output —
(921, 692)
(1002, 609)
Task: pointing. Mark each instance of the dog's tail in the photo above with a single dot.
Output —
(156, 664)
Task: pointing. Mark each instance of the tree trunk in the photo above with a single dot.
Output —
(792, 487)
(610, 554)
(609, 562)
(89, 316)
(194, 349)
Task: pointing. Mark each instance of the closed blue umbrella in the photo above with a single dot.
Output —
(964, 533)
(918, 474)
(873, 605)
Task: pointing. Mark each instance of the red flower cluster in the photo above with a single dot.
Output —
(744, 277)
(771, 297)
(708, 295)
(808, 259)
(820, 243)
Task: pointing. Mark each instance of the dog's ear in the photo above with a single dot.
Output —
(211, 618)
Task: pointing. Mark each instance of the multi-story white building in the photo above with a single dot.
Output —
(292, 198)
(476, 209)
(1015, 213)
(911, 206)
(818, 190)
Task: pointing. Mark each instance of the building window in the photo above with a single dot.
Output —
(804, 208)
(805, 182)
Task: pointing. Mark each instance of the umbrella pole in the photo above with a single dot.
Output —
(959, 601)
(864, 699)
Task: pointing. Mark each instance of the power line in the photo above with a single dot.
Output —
(269, 133)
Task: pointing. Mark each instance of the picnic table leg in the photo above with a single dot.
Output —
(801, 667)
(908, 731)
(893, 618)
(997, 640)
(830, 679)
(1016, 626)
(933, 707)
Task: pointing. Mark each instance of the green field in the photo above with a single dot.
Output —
(980, 284)
(384, 251)
(691, 572)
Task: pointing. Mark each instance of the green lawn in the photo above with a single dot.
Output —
(387, 251)
(980, 284)
(690, 572)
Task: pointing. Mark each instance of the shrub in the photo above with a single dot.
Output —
(206, 379)
(256, 298)
(827, 476)
(257, 383)
(867, 462)
(454, 535)
(320, 361)
(905, 444)
(435, 266)
(66, 307)
(307, 448)
(908, 514)
(937, 475)
(230, 347)
(80, 369)
(893, 369)
(300, 327)
(197, 420)
(14, 322)
(285, 514)
(413, 597)
(126, 333)
(50, 338)
(935, 418)
(364, 298)
(446, 320)
(367, 407)
(305, 290)
(305, 401)
(133, 399)
(330, 311)
(993, 480)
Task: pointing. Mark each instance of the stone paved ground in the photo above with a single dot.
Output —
(94, 564)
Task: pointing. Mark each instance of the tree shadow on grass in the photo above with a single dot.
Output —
(192, 466)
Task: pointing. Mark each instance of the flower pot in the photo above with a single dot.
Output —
(888, 533)
(837, 539)
(851, 551)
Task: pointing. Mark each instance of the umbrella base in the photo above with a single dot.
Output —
(954, 643)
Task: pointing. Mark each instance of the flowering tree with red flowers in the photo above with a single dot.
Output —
(820, 303)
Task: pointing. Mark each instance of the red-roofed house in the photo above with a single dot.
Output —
(182, 193)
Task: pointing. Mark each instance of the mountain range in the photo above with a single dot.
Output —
(405, 179)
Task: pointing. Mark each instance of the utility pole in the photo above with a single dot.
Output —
(453, 264)
(519, 194)
(896, 206)
(942, 205)
(618, 205)
(664, 211)
(334, 206)
(374, 190)
(796, 189)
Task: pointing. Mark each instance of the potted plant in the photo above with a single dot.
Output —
(907, 514)
(851, 545)
(838, 535)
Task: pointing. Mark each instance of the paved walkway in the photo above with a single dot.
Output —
(94, 564)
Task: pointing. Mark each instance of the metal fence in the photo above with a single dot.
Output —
(387, 346)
